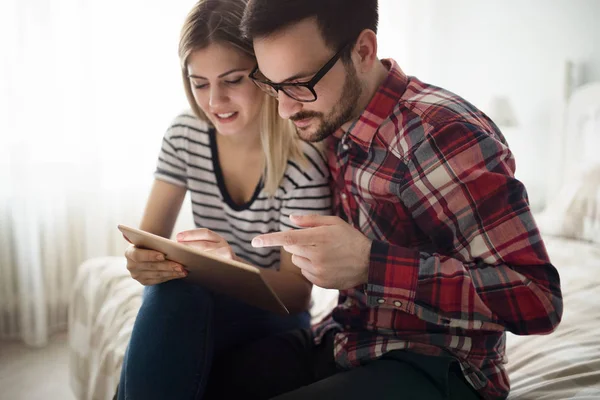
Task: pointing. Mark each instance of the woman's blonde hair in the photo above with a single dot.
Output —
(218, 21)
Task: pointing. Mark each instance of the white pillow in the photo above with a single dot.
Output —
(574, 211)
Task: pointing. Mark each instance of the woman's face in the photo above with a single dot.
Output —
(219, 79)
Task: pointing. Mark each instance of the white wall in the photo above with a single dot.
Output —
(513, 48)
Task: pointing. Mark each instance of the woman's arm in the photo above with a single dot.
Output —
(162, 208)
(149, 267)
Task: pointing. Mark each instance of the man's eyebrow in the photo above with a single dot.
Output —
(299, 76)
(222, 75)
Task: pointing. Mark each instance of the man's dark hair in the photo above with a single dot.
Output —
(339, 21)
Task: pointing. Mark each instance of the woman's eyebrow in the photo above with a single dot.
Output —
(222, 75)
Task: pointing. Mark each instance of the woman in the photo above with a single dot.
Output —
(246, 171)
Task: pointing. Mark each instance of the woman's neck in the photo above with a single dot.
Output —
(247, 142)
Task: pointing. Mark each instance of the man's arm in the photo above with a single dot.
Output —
(492, 270)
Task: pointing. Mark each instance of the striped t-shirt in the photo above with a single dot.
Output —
(189, 158)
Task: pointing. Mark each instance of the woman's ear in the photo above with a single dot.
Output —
(365, 51)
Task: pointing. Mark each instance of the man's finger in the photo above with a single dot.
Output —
(198, 234)
(303, 263)
(312, 278)
(304, 251)
(294, 237)
(314, 220)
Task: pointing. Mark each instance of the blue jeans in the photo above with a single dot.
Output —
(180, 328)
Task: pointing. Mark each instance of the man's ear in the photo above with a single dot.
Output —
(364, 52)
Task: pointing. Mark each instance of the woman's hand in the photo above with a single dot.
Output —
(207, 240)
(149, 267)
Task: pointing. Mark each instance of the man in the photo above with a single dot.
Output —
(434, 249)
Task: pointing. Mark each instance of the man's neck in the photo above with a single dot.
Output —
(372, 82)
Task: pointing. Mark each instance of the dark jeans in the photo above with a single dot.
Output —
(180, 328)
(289, 366)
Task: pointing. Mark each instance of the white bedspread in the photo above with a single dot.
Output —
(563, 365)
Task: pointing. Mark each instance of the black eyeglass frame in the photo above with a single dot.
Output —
(310, 85)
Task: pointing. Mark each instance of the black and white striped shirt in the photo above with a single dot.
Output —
(189, 158)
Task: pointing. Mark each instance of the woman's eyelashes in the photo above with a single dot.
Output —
(228, 82)
(235, 81)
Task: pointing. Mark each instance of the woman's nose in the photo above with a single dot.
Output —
(217, 97)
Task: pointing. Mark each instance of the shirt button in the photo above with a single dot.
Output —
(344, 196)
(345, 146)
(381, 301)
(397, 303)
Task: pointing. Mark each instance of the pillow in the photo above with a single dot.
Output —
(574, 211)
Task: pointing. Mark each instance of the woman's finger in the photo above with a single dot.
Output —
(153, 278)
(143, 255)
(206, 246)
(166, 266)
(154, 281)
(224, 252)
(199, 234)
(165, 275)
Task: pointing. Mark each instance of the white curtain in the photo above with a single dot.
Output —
(87, 88)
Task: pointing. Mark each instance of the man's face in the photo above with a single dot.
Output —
(296, 54)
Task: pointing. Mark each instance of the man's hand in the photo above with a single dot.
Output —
(330, 253)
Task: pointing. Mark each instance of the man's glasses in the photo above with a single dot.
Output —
(299, 91)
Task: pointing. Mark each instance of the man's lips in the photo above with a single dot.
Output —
(303, 123)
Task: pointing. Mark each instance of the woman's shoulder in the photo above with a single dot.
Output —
(315, 155)
(187, 125)
(310, 172)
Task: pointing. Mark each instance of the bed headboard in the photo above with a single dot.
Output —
(579, 143)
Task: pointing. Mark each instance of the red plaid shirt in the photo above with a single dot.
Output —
(457, 258)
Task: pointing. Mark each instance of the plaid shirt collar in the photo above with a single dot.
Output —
(389, 93)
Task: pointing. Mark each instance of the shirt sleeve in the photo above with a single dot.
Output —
(311, 193)
(171, 166)
(490, 270)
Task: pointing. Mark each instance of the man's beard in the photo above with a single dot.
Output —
(344, 111)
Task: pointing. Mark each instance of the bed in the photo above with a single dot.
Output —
(563, 365)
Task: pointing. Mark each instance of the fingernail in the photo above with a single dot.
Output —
(256, 242)
(160, 257)
(179, 236)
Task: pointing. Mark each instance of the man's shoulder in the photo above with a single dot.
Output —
(425, 110)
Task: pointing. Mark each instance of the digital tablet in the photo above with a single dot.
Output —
(233, 278)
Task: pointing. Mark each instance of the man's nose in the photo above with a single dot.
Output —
(287, 106)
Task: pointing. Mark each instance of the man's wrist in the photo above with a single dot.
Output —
(366, 262)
